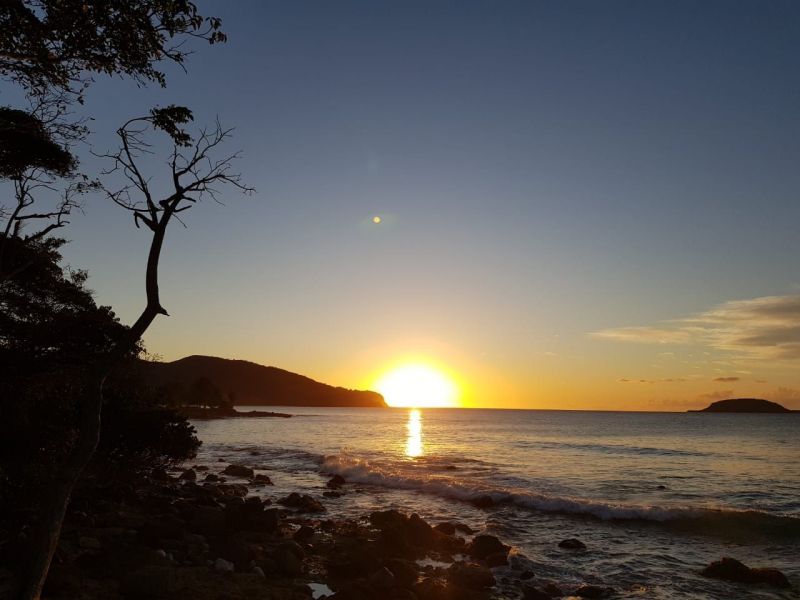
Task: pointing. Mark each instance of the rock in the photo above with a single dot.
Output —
(572, 544)
(223, 565)
(262, 479)
(733, 570)
(446, 528)
(530, 592)
(189, 475)
(526, 574)
(155, 531)
(303, 503)
(482, 501)
(498, 559)
(332, 494)
(239, 471)
(236, 550)
(208, 520)
(382, 579)
(432, 589)
(470, 576)
(336, 482)
(287, 561)
(160, 475)
(258, 571)
(211, 477)
(420, 533)
(661, 487)
(553, 590)
(484, 545)
(304, 534)
(593, 591)
(89, 543)
(387, 519)
(464, 528)
(405, 572)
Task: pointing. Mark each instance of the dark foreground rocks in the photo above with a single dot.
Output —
(733, 570)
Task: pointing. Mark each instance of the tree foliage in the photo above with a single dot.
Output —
(52, 44)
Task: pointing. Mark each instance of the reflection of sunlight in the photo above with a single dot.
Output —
(414, 440)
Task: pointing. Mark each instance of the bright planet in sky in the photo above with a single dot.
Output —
(417, 386)
(376, 219)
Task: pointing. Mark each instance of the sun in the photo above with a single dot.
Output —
(417, 386)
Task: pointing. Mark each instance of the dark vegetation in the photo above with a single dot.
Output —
(67, 365)
(245, 383)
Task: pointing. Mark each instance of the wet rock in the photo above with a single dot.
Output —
(189, 475)
(332, 494)
(211, 477)
(262, 479)
(382, 579)
(553, 590)
(470, 575)
(526, 574)
(302, 502)
(498, 559)
(482, 501)
(432, 589)
(446, 528)
(223, 565)
(530, 592)
(420, 532)
(289, 559)
(239, 471)
(593, 591)
(304, 534)
(258, 571)
(155, 531)
(733, 570)
(160, 475)
(485, 545)
(451, 468)
(464, 528)
(405, 572)
(572, 544)
(152, 581)
(387, 519)
(232, 490)
(336, 482)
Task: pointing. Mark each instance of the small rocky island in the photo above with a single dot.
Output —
(744, 405)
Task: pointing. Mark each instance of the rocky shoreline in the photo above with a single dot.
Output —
(202, 534)
(196, 412)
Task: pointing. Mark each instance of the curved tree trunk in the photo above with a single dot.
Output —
(55, 506)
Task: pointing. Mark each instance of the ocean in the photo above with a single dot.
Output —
(654, 496)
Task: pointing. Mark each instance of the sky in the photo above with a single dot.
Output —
(583, 205)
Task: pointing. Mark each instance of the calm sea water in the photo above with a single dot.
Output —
(654, 496)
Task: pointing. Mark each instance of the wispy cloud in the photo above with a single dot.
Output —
(766, 327)
(726, 379)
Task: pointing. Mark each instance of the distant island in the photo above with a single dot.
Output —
(245, 383)
(744, 405)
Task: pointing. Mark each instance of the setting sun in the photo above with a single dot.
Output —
(418, 386)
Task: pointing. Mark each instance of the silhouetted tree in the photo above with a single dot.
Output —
(194, 175)
(56, 45)
(204, 393)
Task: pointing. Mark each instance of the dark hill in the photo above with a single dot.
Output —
(255, 384)
(744, 405)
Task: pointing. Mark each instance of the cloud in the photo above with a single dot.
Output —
(726, 379)
(760, 328)
(665, 380)
(717, 395)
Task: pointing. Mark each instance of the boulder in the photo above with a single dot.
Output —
(287, 560)
(211, 477)
(498, 559)
(160, 475)
(470, 576)
(236, 550)
(387, 519)
(485, 545)
(572, 544)
(484, 501)
(262, 479)
(223, 565)
(382, 579)
(405, 572)
(302, 502)
(304, 534)
(208, 520)
(733, 570)
(189, 475)
(530, 592)
(593, 591)
(336, 482)
(89, 543)
(332, 494)
(239, 471)
(446, 528)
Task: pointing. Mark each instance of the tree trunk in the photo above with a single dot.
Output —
(48, 531)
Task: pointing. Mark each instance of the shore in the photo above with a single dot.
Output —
(201, 534)
(196, 412)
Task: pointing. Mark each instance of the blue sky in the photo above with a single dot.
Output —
(545, 171)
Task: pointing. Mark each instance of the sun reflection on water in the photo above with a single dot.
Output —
(414, 438)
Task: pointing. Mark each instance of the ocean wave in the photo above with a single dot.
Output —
(725, 522)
